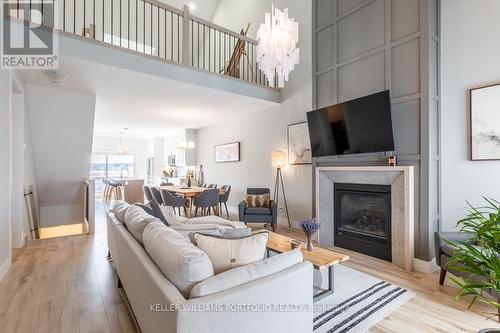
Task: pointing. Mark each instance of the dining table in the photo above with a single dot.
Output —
(189, 193)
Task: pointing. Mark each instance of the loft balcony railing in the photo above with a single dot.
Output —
(154, 29)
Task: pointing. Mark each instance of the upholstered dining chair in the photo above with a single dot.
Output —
(223, 198)
(212, 186)
(156, 195)
(259, 214)
(147, 193)
(173, 201)
(209, 199)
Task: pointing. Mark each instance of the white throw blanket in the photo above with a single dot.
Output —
(183, 225)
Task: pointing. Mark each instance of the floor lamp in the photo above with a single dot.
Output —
(279, 161)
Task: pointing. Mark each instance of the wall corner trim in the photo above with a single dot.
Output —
(427, 267)
(4, 268)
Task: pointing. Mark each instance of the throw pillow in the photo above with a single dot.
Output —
(244, 274)
(153, 209)
(223, 234)
(261, 200)
(171, 217)
(228, 253)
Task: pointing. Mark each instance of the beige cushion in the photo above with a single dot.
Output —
(228, 253)
(183, 264)
(240, 275)
(119, 208)
(136, 220)
(171, 217)
(258, 200)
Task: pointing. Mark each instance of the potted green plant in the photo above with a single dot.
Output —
(478, 258)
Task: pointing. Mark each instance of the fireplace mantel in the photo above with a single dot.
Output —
(400, 178)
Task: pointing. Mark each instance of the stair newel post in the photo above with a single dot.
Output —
(185, 35)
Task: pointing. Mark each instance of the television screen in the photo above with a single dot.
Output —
(359, 126)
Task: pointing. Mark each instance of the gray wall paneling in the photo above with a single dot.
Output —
(365, 46)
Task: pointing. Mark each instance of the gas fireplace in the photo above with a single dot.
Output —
(362, 219)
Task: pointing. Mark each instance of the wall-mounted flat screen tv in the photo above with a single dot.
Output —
(362, 125)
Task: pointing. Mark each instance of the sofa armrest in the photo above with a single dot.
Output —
(274, 211)
(251, 307)
(241, 210)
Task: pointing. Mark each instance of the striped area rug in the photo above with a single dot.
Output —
(359, 302)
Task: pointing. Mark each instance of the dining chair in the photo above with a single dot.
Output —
(224, 197)
(212, 186)
(147, 193)
(156, 194)
(209, 199)
(173, 201)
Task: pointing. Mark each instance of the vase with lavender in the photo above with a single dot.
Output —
(309, 226)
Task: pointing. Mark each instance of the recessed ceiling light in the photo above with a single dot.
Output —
(192, 6)
(56, 77)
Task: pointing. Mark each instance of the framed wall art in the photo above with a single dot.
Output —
(485, 123)
(299, 146)
(229, 152)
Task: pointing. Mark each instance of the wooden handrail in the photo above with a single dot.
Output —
(224, 30)
(202, 21)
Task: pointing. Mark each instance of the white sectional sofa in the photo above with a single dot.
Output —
(275, 294)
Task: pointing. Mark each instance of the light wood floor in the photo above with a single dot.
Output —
(62, 230)
(66, 285)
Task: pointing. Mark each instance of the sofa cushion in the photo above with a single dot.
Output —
(240, 275)
(119, 208)
(258, 211)
(258, 200)
(229, 253)
(183, 264)
(136, 220)
(153, 209)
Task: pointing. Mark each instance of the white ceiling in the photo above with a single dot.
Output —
(149, 106)
(201, 8)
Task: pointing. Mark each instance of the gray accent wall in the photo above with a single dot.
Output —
(366, 46)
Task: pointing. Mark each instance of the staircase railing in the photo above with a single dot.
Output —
(155, 29)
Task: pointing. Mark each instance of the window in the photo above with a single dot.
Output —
(110, 165)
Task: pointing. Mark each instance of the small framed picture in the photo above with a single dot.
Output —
(299, 146)
(229, 152)
(485, 123)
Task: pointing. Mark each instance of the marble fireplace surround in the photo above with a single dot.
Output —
(402, 198)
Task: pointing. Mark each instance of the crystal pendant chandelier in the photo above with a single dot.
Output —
(277, 50)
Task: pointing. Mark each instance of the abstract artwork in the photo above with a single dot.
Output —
(229, 152)
(299, 146)
(485, 123)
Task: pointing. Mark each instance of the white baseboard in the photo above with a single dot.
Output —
(427, 267)
(4, 268)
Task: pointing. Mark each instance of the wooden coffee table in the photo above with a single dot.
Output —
(320, 258)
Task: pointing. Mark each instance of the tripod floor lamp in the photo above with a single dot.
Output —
(279, 161)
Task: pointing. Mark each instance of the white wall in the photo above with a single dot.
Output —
(19, 226)
(139, 147)
(5, 171)
(262, 132)
(29, 168)
(62, 124)
(470, 58)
